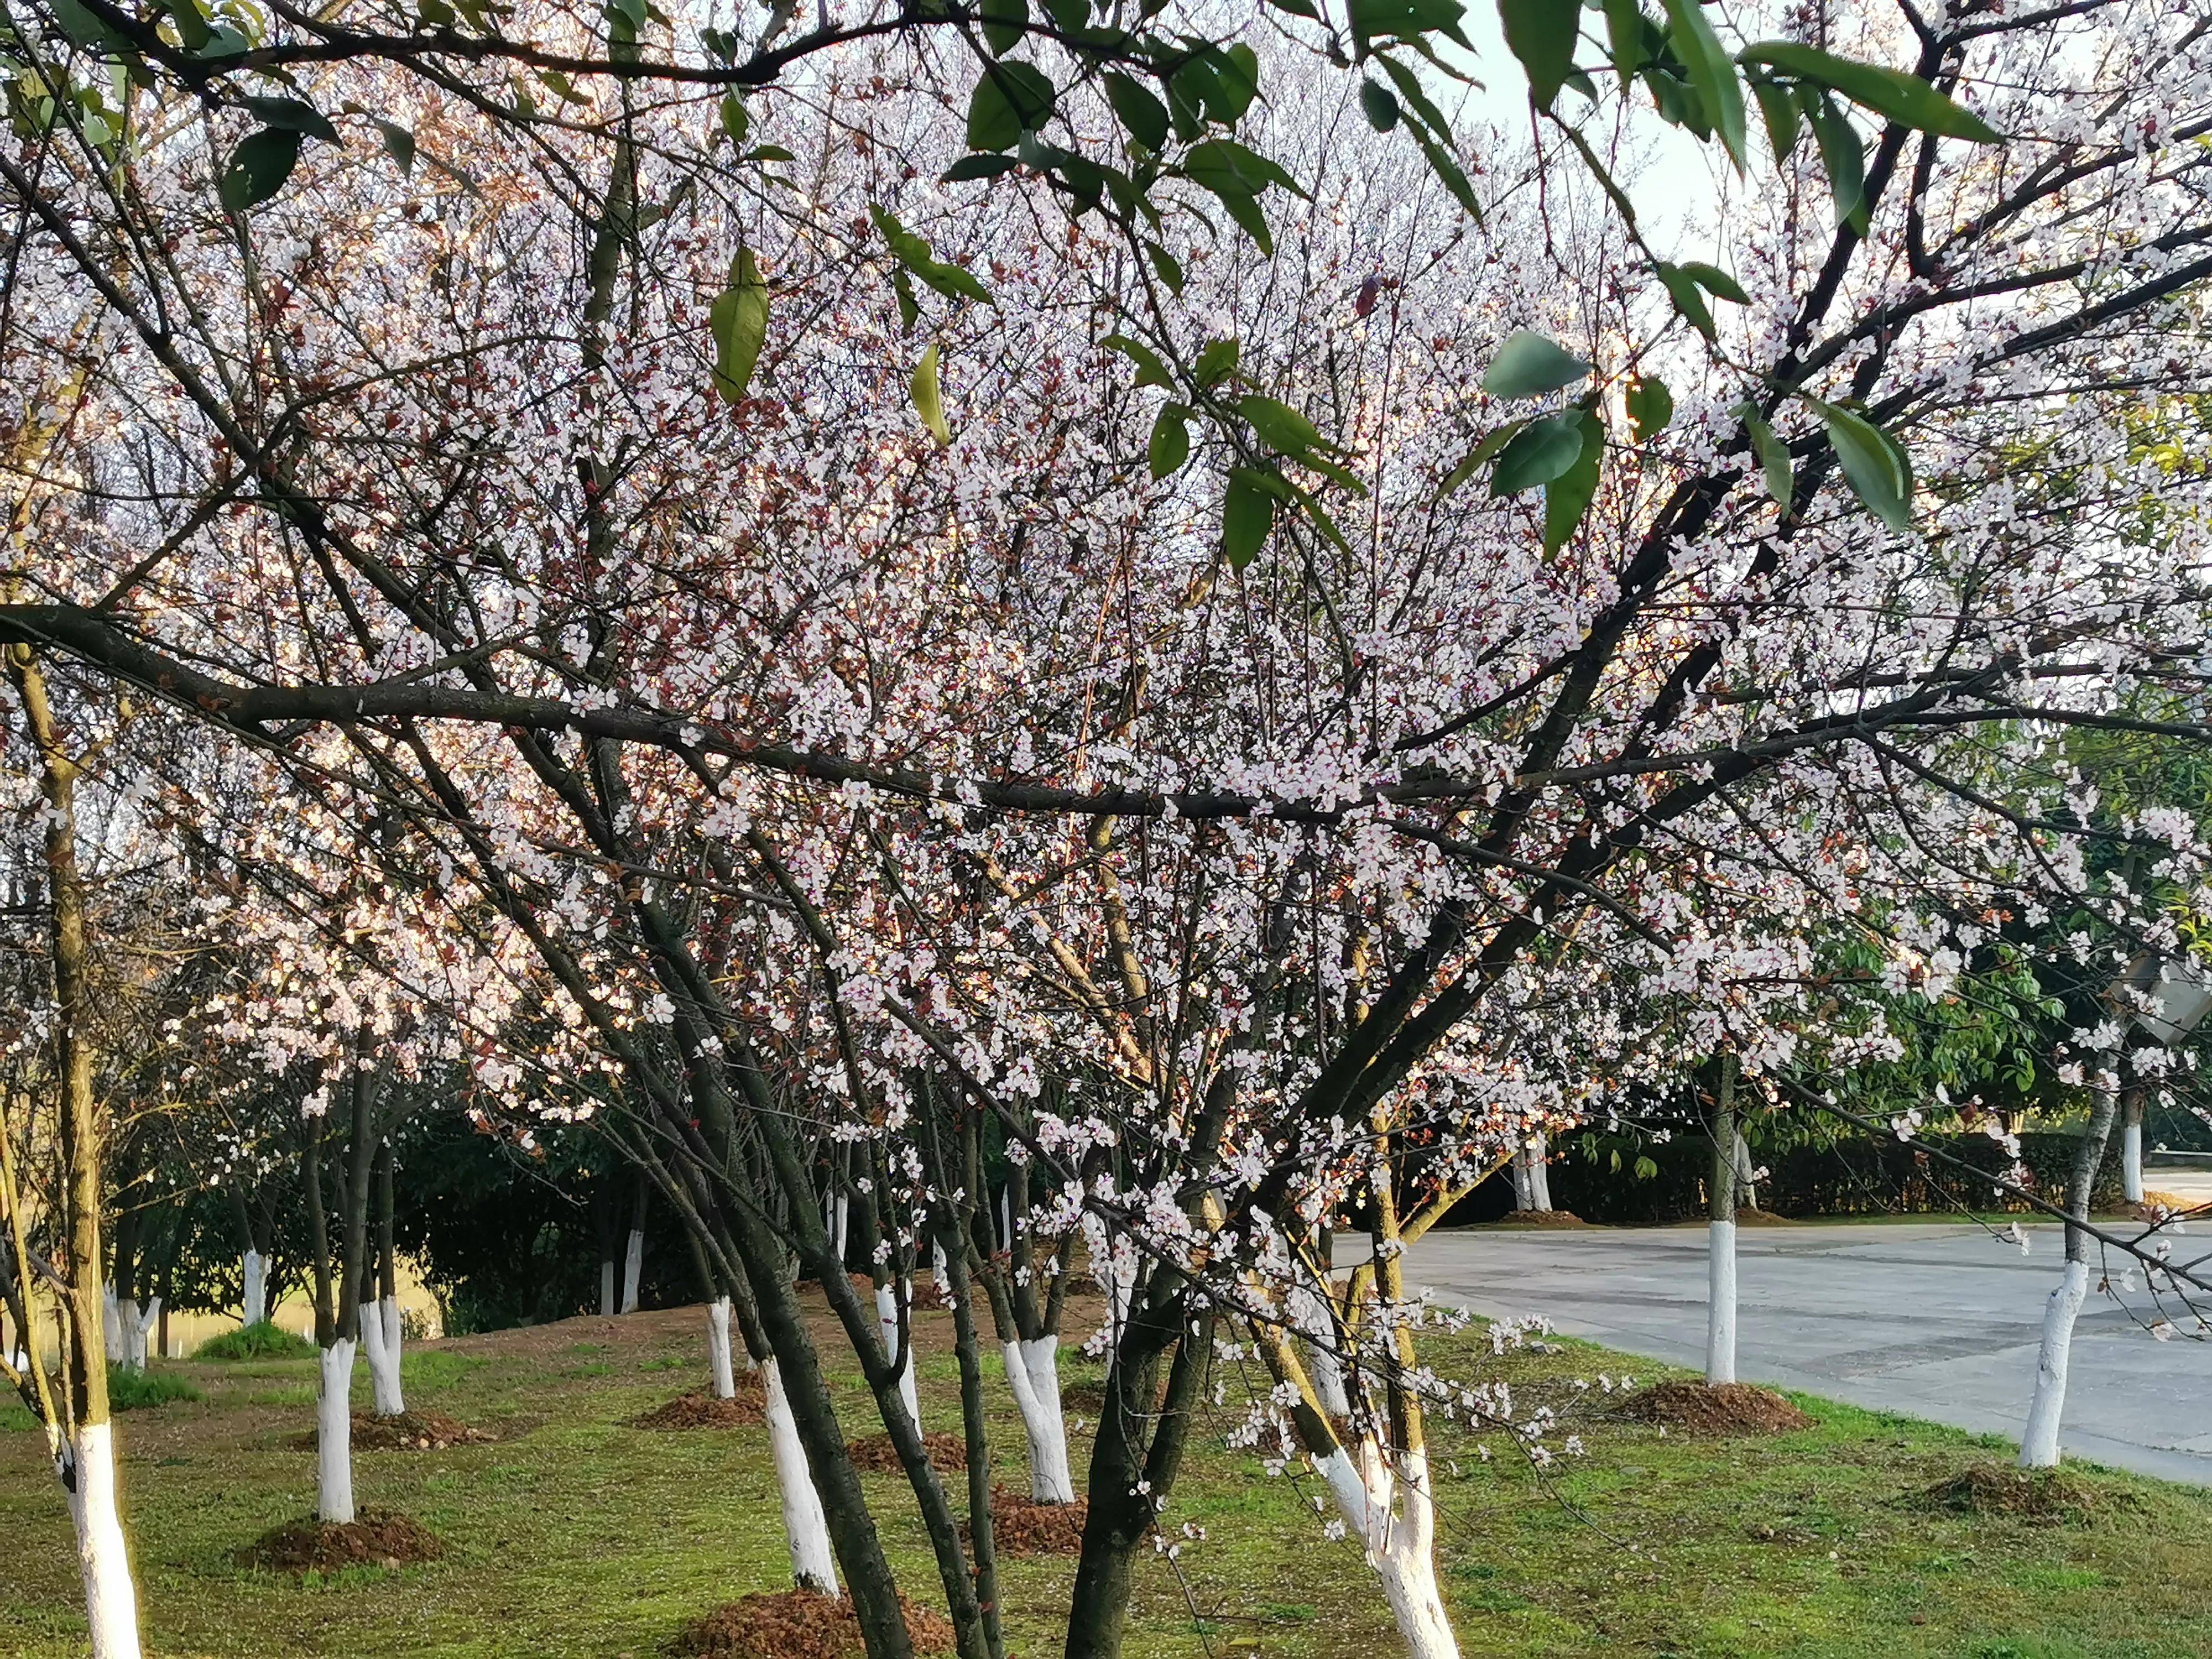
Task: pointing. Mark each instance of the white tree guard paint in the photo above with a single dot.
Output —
(633, 1270)
(1394, 1513)
(379, 1344)
(813, 1565)
(1540, 1173)
(111, 1599)
(334, 1435)
(1524, 1194)
(132, 1325)
(887, 1321)
(395, 1335)
(1033, 1378)
(1311, 1317)
(718, 1349)
(253, 1307)
(2131, 1176)
(608, 1304)
(111, 1319)
(2038, 1443)
(1720, 1302)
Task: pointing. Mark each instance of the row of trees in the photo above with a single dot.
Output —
(1086, 582)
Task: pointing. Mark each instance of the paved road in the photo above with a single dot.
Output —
(1938, 1322)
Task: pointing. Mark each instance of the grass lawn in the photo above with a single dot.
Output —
(576, 1534)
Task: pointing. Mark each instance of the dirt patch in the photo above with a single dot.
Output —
(948, 1453)
(1713, 1408)
(704, 1411)
(1019, 1526)
(1748, 1217)
(376, 1538)
(2048, 1496)
(408, 1432)
(797, 1624)
(1089, 1399)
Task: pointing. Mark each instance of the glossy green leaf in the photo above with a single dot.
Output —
(1779, 111)
(978, 166)
(1541, 34)
(928, 400)
(1873, 464)
(1011, 99)
(1842, 155)
(398, 144)
(1143, 115)
(1903, 98)
(1170, 445)
(1406, 20)
(258, 167)
(1168, 268)
(1689, 299)
(1380, 105)
(1150, 371)
(1650, 406)
(1280, 427)
(1711, 72)
(1773, 457)
(1247, 514)
(739, 322)
(1541, 452)
(736, 122)
(915, 253)
(1529, 364)
(1714, 280)
(291, 115)
(1493, 441)
(1004, 22)
(1567, 498)
(1217, 361)
(1626, 31)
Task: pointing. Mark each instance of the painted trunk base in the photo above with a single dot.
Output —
(633, 1271)
(1720, 1302)
(1033, 1378)
(887, 1320)
(813, 1566)
(1394, 1513)
(111, 1599)
(2038, 1443)
(718, 1349)
(334, 1435)
(2131, 1175)
(254, 1307)
(379, 1342)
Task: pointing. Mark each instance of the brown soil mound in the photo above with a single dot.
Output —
(1748, 1217)
(704, 1411)
(408, 1432)
(1539, 1218)
(948, 1453)
(1019, 1526)
(380, 1538)
(1713, 1408)
(2045, 1495)
(797, 1624)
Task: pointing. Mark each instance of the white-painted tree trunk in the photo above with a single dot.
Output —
(2038, 1443)
(334, 1435)
(111, 1599)
(1311, 1318)
(1006, 1218)
(254, 1305)
(1540, 1173)
(1033, 1378)
(1720, 1302)
(395, 1335)
(1524, 1195)
(841, 1213)
(887, 1321)
(813, 1565)
(1394, 1513)
(633, 1270)
(111, 1319)
(379, 1342)
(2131, 1175)
(132, 1323)
(608, 1304)
(718, 1349)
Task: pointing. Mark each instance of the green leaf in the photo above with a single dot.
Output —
(1903, 98)
(258, 167)
(1168, 267)
(1004, 22)
(1247, 514)
(1281, 428)
(1779, 111)
(1217, 361)
(978, 166)
(1493, 441)
(1226, 160)
(1842, 155)
(739, 322)
(1541, 33)
(1011, 99)
(290, 115)
(1567, 498)
(1689, 300)
(1406, 20)
(398, 144)
(1529, 364)
(928, 402)
(1714, 280)
(1150, 371)
(1170, 445)
(1650, 406)
(1873, 464)
(78, 22)
(1380, 105)
(1541, 452)
(1143, 115)
(1711, 72)
(915, 253)
(735, 122)
(1773, 457)
(1237, 72)
(1627, 29)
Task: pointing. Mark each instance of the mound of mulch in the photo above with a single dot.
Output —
(1713, 1408)
(2048, 1496)
(702, 1411)
(1539, 1219)
(408, 1432)
(797, 1624)
(948, 1453)
(1020, 1526)
(377, 1538)
(1748, 1217)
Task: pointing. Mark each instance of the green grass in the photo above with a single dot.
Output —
(133, 1391)
(263, 1341)
(576, 1535)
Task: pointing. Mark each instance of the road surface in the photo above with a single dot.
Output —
(1938, 1322)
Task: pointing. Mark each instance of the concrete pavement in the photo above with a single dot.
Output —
(1934, 1320)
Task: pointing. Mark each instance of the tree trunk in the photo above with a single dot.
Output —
(2131, 1171)
(253, 1307)
(111, 1597)
(720, 1373)
(806, 1528)
(380, 1320)
(634, 1256)
(334, 1432)
(1720, 1299)
(2038, 1442)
